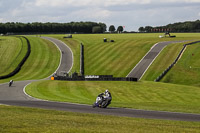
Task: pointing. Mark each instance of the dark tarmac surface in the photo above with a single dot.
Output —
(108, 111)
(66, 58)
(139, 70)
(15, 96)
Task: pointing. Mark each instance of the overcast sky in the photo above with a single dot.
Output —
(129, 13)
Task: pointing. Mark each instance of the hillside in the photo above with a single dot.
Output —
(42, 62)
(114, 58)
(12, 51)
(188, 68)
(119, 57)
(185, 71)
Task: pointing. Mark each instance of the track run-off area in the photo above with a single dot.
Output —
(16, 95)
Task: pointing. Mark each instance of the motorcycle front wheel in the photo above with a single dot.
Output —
(94, 105)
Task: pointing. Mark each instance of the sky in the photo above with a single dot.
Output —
(131, 14)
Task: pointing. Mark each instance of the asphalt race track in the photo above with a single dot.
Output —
(139, 70)
(15, 96)
(66, 61)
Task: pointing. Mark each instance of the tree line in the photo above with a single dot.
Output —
(188, 26)
(119, 29)
(38, 27)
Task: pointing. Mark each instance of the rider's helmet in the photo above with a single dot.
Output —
(106, 91)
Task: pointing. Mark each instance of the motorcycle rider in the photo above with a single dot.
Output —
(10, 83)
(107, 96)
(103, 100)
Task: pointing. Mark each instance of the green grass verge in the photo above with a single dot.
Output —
(163, 61)
(188, 68)
(138, 95)
(12, 51)
(42, 62)
(18, 119)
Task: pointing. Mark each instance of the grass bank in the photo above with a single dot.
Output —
(186, 71)
(42, 62)
(164, 59)
(12, 51)
(167, 57)
(18, 119)
(138, 95)
(109, 58)
(188, 68)
(120, 57)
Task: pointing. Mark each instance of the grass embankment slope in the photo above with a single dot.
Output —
(12, 51)
(186, 71)
(116, 58)
(18, 119)
(120, 57)
(42, 62)
(163, 61)
(188, 68)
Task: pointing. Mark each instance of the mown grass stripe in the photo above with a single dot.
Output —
(21, 119)
(110, 60)
(105, 58)
(19, 65)
(93, 56)
(10, 54)
(44, 61)
(139, 95)
(40, 63)
(121, 54)
(37, 54)
(19, 53)
(189, 75)
(97, 52)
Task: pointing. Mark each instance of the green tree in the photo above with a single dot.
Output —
(120, 29)
(148, 28)
(38, 27)
(103, 27)
(141, 29)
(112, 28)
(96, 29)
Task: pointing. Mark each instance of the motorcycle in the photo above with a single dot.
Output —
(101, 102)
(10, 83)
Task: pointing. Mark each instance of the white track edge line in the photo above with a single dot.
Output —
(71, 53)
(142, 58)
(60, 56)
(152, 62)
(53, 73)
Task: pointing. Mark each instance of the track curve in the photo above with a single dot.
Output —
(15, 96)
